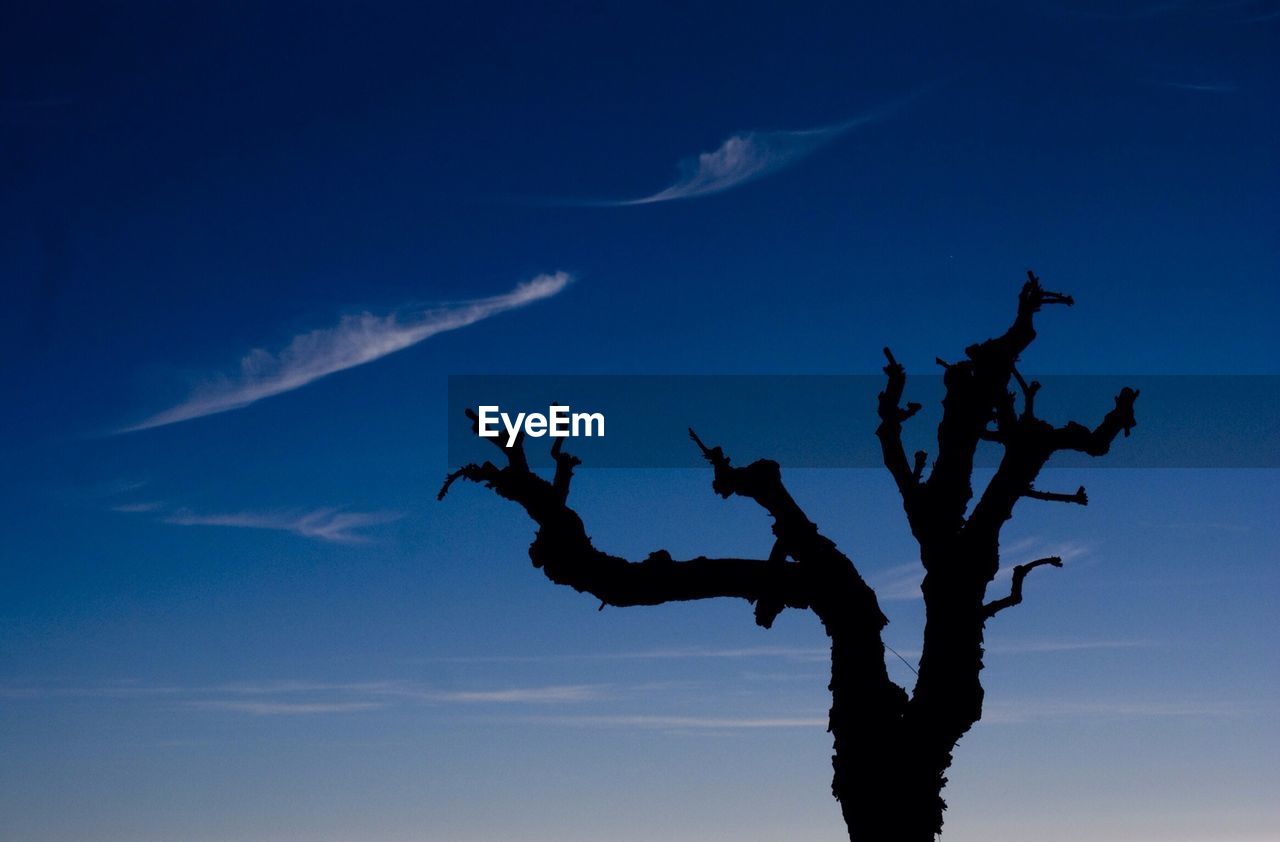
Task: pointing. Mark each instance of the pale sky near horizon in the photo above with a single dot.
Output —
(260, 237)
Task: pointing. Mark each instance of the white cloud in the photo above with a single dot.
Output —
(900, 583)
(287, 697)
(137, 508)
(278, 687)
(796, 653)
(290, 696)
(1203, 87)
(1027, 711)
(1035, 647)
(518, 695)
(748, 156)
(691, 722)
(286, 708)
(119, 690)
(332, 525)
(743, 158)
(355, 340)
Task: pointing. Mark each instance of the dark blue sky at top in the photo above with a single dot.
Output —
(181, 183)
(196, 179)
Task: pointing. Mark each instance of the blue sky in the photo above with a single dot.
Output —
(256, 623)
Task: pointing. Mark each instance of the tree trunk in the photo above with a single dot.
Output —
(891, 755)
(881, 797)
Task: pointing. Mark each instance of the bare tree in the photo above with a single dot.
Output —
(892, 749)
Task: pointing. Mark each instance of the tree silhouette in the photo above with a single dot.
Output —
(892, 748)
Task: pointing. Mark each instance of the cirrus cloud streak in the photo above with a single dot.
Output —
(746, 157)
(333, 525)
(356, 339)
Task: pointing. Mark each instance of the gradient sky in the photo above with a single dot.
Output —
(257, 624)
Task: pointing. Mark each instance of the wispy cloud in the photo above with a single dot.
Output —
(799, 653)
(518, 695)
(899, 583)
(332, 525)
(740, 159)
(687, 722)
(1027, 711)
(1008, 713)
(310, 698)
(291, 686)
(1202, 87)
(355, 340)
(746, 157)
(286, 697)
(1042, 647)
(796, 653)
(1025, 549)
(323, 524)
(285, 708)
(1197, 525)
(1034, 647)
(117, 690)
(137, 508)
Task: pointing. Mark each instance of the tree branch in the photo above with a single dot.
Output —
(565, 463)
(889, 432)
(1097, 442)
(977, 393)
(514, 453)
(917, 469)
(566, 555)
(1080, 498)
(1015, 589)
(1029, 442)
(1003, 350)
(761, 481)
(839, 593)
(1029, 391)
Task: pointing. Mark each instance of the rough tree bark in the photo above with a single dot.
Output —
(892, 749)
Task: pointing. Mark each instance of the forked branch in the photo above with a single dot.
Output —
(838, 589)
(1015, 589)
(1097, 442)
(566, 555)
(906, 475)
